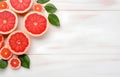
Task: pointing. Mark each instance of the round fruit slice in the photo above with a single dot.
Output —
(3, 5)
(20, 6)
(18, 42)
(35, 23)
(1, 41)
(38, 7)
(8, 21)
(15, 63)
(5, 53)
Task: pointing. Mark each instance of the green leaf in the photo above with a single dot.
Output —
(54, 20)
(3, 64)
(42, 1)
(1, 0)
(25, 61)
(50, 8)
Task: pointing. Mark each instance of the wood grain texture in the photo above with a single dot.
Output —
(86, 45)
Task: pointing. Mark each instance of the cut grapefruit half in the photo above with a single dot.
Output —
(1, 41)
(5, 53)
(18, 42)
(20, 6)
(8, 21)
(15, 63)
(3, 5)
(35, 23)
(38, 7)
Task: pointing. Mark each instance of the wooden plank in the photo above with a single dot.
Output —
(69, 65)
(77, 5)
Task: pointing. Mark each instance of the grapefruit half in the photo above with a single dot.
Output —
(3, 5)
(20, 6)
(8, 21)
(14, 63)
(38, 7)
(5, 53)
(35, 23)
(18, 42)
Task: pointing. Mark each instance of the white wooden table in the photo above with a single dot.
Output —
(86, 45)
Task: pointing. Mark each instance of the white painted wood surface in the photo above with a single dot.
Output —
(86, 45)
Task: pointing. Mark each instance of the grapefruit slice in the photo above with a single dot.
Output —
(3, 5)
(20, 6)
(8, 21)
(35, 23)
(18, 42)
(38, 7)
(5, 53)
(15, 63)
(1, 41)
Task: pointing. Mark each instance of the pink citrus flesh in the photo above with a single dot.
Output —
(8, 21)
(5, 53)
(1, 41)
(15, 63)
(3, 5)
(38, 7)
(35, 23)
(20, 6)
(18, 42)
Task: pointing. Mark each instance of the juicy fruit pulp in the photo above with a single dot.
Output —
(37, 7)
(3, 5)
(35, 23)
(8, 21)
(5, 53)
(20, 6)
(18, 42)
(15, 63)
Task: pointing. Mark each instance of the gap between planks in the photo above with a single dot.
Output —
(80, 54)
(88, 10)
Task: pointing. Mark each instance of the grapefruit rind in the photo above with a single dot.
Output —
(1, 44)
(20, 11)
(16, 53)
(3, 57)
(16, 22)
(12, 66)
(2, 41)
(35, 35)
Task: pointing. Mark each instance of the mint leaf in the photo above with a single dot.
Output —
(1, 0)
(54, 20)
(50, 8)
(3, 64)
(25, 61)
(42, 1)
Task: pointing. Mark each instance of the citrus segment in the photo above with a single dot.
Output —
(5, 53)
(8, 21)
(37, 7)
(3, 5)
(18, 42)
(35, 23)
(15, 63)
(20, 6)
